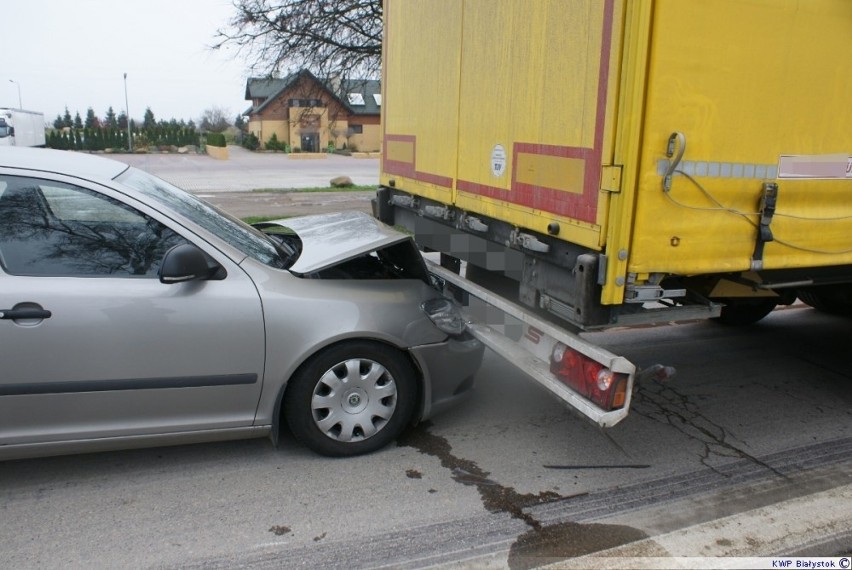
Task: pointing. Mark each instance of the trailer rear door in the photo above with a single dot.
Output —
(505, 109)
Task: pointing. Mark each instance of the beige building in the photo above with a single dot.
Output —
(311, 114)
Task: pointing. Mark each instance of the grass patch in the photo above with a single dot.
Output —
(257, 219)
(316, 189)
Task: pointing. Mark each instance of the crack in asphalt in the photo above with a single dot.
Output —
(665, 405)
(816, 363)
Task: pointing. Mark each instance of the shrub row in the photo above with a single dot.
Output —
(104, 138)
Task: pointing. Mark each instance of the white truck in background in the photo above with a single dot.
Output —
(21, 128)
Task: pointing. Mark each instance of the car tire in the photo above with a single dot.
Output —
(351, 398)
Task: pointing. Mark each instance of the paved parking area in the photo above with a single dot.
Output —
(235, 184)
(245, 171)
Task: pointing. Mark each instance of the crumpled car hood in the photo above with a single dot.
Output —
(330, 239)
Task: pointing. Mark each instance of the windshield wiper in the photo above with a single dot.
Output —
(286, 242)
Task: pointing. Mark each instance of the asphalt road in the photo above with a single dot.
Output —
(749, 449)
(747, 452)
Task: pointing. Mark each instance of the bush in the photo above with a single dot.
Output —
(216, 139)
(274, 144)
(141, 140)
(251, 142)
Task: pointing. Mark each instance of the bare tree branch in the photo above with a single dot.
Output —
(215, 119)
(327, 37)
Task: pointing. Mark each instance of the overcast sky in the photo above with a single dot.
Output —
(75, 53)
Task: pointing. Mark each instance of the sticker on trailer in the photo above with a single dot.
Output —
(498, 160)
(823, 166)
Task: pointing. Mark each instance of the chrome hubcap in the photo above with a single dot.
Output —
(354, 400)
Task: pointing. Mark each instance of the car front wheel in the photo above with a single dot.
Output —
(351, 398)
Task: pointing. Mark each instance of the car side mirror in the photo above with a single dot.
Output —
(185, 262)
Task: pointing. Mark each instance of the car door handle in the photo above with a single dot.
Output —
(28, 313)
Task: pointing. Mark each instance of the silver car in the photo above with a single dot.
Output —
(134, 314)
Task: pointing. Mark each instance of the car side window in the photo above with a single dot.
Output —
(50, 228)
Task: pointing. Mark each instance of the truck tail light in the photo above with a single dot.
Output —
(590, 379)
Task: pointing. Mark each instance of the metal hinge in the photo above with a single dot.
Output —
(528, 242)
(404, 201)
(649, 293)
(441, 212)
(611, 179)
(472, 223)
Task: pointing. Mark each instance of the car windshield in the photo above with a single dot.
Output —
(224, 226)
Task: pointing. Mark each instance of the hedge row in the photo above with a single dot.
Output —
(104, 138)
(216, 139)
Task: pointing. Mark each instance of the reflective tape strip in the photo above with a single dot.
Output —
(704, 169)
(817, 166)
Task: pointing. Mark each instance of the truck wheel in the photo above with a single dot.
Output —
(832, 299)
(745, 311)
(350, 399)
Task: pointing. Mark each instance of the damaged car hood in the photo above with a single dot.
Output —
(330, 239)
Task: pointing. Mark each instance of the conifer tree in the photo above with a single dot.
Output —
(148, 121)
(92, 121)
(110, 118)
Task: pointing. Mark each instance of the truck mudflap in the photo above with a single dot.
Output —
(590, 379)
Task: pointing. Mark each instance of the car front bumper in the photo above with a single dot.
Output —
(448, 370)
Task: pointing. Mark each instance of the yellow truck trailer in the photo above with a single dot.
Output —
(618, 162)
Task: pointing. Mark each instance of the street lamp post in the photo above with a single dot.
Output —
(126, 106)
(20, 105)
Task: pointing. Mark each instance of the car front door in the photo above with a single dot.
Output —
(94, 345)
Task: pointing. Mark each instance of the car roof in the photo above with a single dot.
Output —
(75, 164)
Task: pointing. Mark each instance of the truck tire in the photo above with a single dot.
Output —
(835, 300)
(742, 312)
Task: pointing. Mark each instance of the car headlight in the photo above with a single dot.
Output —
(445, 315)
